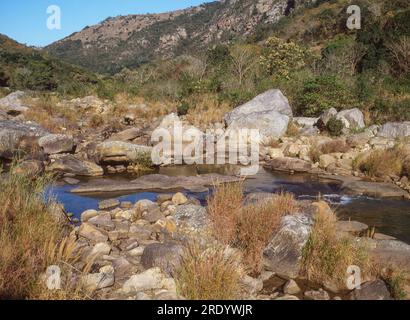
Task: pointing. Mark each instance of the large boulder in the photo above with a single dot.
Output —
(70, 164)
(56, 143)
(394, 130)
(269, 112)
(12, 103)
(12, 132)
(121, 152)
(283, 254)
(352, 118)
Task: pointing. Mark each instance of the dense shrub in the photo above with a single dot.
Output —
(335, 127)
(324, 92)
(280, 57)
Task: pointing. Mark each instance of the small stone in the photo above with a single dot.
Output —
(109, 269)
(88, 214)
(165, 256)
(136, 252)
(126, 205)
(251, 285)
(71, 181)
(96, 281)
(142, 296)
(287, 297)
(108, 204)
(179, 199)
(376, 290)
(92, 233)
(291, 287)
(317, 295)
(164, 197)
(100, 249)
(151, 279)
(144, 206)
(165, 226)
(103, 220)
(153, 216)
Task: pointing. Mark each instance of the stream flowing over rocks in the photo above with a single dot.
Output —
(136, 243)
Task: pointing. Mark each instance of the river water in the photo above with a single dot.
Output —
(388, 216)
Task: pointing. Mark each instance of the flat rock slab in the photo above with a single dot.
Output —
(287, 164)
(158, 182)
(374, 189)
(356, 186)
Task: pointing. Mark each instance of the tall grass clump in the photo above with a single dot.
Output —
(247, 227)
(224, 207)
(208, 273)
(382, 163)
(326, 256)
(26, 229)
(258, 222)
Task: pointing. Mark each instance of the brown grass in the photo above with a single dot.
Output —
(326, 256)
(272, 143)
(382, 163)
(224, 207)
(208, 273)
(207, 110)
(26, 228)
(258, 222)
(44, 110)
(293, 130)
(30, 239)
(334, 146)
(247, 227)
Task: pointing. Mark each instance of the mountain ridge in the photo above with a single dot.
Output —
(131, 40)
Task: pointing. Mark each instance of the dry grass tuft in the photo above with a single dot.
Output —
(208, 273)
(26, 227)
(293, 130)
(334, 146)
(207, 110)
(45, 110)
(224, 207)
(382, 163)
(247, 227)
(31, 239)
(326, 256)
(272, 143)
(396, 279)
(258, 222)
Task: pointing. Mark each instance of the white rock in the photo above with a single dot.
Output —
(151, 279)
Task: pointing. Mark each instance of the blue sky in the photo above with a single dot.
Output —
(26, 20)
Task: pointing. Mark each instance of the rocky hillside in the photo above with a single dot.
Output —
(128, 41)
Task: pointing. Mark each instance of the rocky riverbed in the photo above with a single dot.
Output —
(136, 247)
(135, 241)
